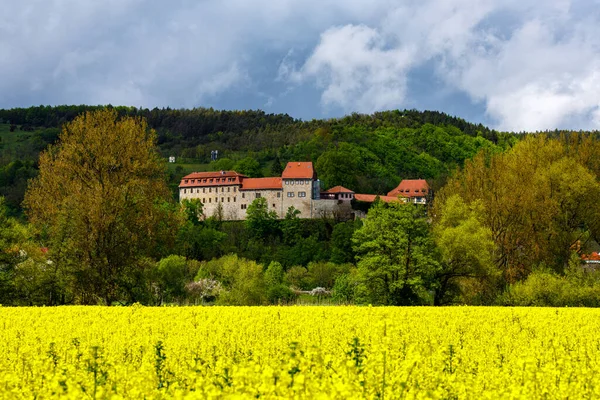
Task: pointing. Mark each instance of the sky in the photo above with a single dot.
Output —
(516, 65)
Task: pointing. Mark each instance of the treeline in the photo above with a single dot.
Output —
(367, 153)
(509, 224)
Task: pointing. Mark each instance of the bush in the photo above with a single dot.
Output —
(547, 289)
(242, 280)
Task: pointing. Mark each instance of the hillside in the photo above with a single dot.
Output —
(368, 153)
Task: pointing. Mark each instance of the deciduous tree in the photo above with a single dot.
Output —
(395, 254)
(102, 200)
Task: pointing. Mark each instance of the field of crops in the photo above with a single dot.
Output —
(299, 352)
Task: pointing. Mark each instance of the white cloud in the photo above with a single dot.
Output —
(356, 69)
(529, 64)
(533, 66)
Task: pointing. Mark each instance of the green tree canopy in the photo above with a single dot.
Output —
(396, 254)
(102, 199)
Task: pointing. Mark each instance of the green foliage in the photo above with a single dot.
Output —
(101, 198)
(291, 226)
(395, 254)
(223, 164)
(341, 242)
(274, 274)
(249, 167)
(298, 277)
(260, 221)
(171, 275)
(349, 288)
(242, 280)
(193, 210)
(277, 291)
(323, 274)
(465, 246)
(540, 200)
(545, 288)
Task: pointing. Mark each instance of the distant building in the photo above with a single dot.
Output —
(413, 190)
(172, 159)
(591, 262)
(229, 193)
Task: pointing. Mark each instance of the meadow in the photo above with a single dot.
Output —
(299, 352)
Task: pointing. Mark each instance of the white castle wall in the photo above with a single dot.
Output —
(234, 201)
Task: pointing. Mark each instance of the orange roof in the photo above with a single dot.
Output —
(261, 183)
(298, 170)
(589, 257)
(215, 178)
(338, 189)
(211, 174)
(411, 188)
(370, 198)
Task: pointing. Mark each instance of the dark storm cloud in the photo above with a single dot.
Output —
(517, 64)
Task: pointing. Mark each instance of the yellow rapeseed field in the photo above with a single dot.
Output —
(299, 352)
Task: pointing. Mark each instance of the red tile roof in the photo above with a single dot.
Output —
(591, 257)
(261, 183)
(211, 174)
(411, 188)
(338, 189)
(215, 178)
(298, 170)
(370, 198)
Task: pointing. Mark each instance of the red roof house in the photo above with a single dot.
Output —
(411, 188)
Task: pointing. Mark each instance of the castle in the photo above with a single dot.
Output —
(228, 193)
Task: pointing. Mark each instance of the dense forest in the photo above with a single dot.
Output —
(367, 153)
(512, 215)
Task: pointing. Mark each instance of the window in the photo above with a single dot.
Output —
(222, 190)
(184, 191)
(291, 182)
(186, 181)
(203, 190)
(209, 200)
(209, 190)
(301, 194)
(244, 206)
(297, 182)
(234, 198)
(273, 205)
(243, 195)
(204, 199)
(216, 199)
(234, 189)
(290, 194)
(287, 182)
(258, 195)
(278, 194)
(210, 180)
(229, 189)
(222, 199)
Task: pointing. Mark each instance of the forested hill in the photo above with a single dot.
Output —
(367, 153)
